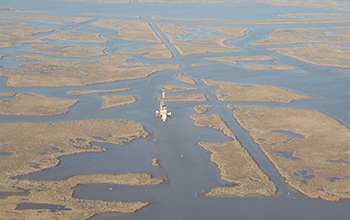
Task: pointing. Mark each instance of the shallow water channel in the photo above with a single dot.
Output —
(187, 176)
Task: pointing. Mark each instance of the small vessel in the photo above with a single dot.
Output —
(163, 111)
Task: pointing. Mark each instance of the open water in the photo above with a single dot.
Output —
(187, 177)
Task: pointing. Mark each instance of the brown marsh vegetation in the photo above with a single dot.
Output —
(234, 162)
(185, 98)
(185, 79)
(253, 93)
(171, 89)
(316, 20)
(76, 37)
(36, 146)
(117, 100)
(158, 51)
(218, 38)
(11, 33)
(236, 59)
(185, 50)
(35, 104)
(270, 67)
(200, 109)
(44, 17)
(309, 148)
(85, 92)
(318, 47)
(130, 30)
(71, 51)
(62, 72)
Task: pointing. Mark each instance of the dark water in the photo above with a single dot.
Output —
(6, 153)
(286, 154)
(290, 134)
(187, 177)
(52, 208)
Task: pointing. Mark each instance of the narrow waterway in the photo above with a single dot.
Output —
(184, 165)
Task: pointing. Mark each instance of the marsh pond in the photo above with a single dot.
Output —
(258, 90)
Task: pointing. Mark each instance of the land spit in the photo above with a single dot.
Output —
(310, 15)
(285, 36)
(172, 89)
(85, 92)
(8, 94)
(309, 148)
(34, 104)
(183, 78)
(321, 54)
(10, 10)
(236, 59)
(56, 18)
(252, 93)
(186, 50)
(117, 100)
(234, 162)
(270, 67)
(200, 109)
(185, 98)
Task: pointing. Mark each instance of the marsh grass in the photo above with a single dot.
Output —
(253, 93)
(234, 162)
(325, 141)
(35, 104)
